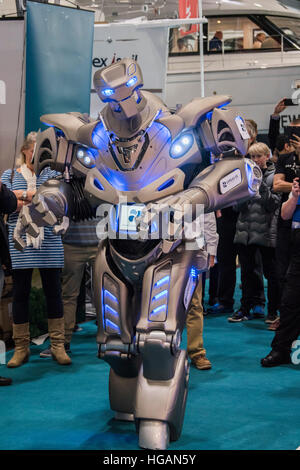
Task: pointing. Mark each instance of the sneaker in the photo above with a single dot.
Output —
(219, 308)
(274, 325)
(48, 353)
(258, 311)
(271, 317)
(201, 363)
(239, 315)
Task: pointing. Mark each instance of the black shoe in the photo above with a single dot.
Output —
(219, 308)
(5, 381)
(212, 301)
(240, 315)
(275, 358)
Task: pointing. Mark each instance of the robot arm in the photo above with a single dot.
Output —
(218, 186)
(50, 206)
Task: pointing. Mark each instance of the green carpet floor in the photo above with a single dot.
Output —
(237, 405)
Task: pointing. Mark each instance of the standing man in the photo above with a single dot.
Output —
(8, 204)
(289, 327)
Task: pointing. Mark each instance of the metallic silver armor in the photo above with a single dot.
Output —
(140, 150)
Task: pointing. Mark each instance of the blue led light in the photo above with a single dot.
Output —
(194, 273)
(87, 156)
(162, 281)
(111, 310)
(181, 145)
(166, 184)
(98, 184)
(110, 296)
(108, 91)
(158, 310)
(160, 295)
(98, 135)
(132, 81)
(112, 326)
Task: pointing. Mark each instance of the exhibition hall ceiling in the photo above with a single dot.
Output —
(117, 10)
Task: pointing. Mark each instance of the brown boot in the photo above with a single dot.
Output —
(21, 337)
(201, 363)
(56, 328)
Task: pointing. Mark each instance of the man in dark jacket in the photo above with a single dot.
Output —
(8, 204)
(256, 232)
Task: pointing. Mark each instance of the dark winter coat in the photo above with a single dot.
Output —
(257, 220)
(8, 204)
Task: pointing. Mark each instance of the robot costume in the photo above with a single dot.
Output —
(140, 150)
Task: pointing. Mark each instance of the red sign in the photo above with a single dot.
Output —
(188, 9)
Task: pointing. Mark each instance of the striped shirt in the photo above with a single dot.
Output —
(51, 253)
(82, 233)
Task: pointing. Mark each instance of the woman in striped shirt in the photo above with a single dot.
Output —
(44, 252)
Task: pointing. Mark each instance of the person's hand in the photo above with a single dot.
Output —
(30, 195)
(280, 106)
(296, 188)
(296, 143)
(211, 261)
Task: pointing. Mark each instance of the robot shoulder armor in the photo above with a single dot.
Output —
(173, 123)
(198, 108)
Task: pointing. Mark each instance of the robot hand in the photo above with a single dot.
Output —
(48, 208)
(165, 218)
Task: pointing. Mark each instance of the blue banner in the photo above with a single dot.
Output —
(59, 46)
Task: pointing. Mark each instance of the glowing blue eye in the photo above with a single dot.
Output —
(80, 154)
(132, 81)
(181, 145)
(107, 92)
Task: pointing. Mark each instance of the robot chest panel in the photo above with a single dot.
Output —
(144, 168)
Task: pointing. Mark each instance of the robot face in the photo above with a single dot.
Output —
(118, 84)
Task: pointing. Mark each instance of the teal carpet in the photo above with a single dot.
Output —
(237, 405)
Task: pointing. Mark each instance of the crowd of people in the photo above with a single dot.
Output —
(262, 236)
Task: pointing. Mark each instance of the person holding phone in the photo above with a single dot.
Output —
(287, 168)
(289, 328)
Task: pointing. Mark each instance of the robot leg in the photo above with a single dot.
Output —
(163, 378)
(114, 300)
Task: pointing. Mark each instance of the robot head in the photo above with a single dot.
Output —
(118, 84)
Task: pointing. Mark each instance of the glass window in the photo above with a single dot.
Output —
(289, 26)
(229, 34)
(184, 40)
(236, 34)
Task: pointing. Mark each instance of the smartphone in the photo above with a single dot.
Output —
(289, 102)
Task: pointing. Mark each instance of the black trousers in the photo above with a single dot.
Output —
(226, 256)
(283, 253)
(51, 281)
(289, 328)
(252, 282)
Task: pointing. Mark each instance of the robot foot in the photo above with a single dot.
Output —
(124, 416)
(153, 434)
